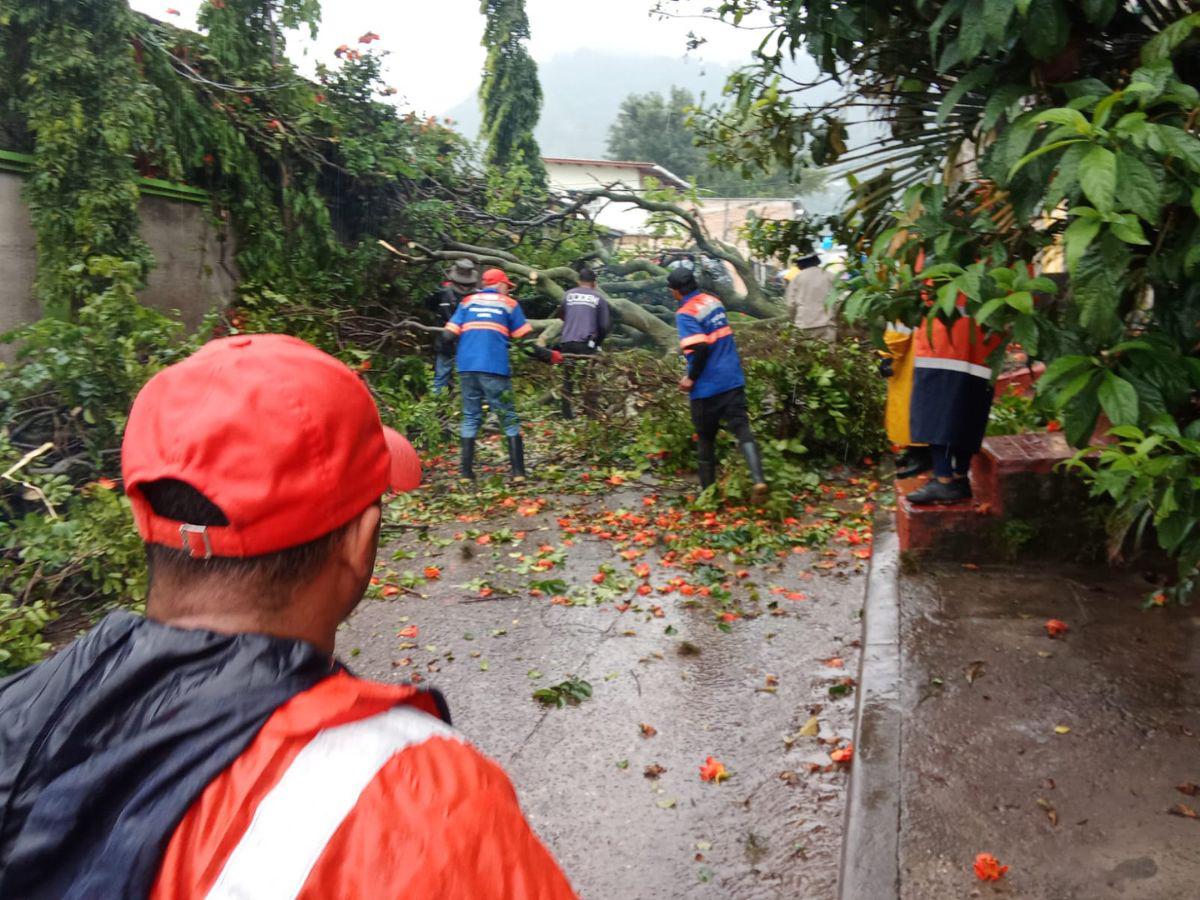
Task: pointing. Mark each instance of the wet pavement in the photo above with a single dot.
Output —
(1060, 757)
(741, 695)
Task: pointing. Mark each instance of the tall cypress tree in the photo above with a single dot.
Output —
(511, 96)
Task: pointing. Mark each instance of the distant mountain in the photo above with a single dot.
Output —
(584, 89)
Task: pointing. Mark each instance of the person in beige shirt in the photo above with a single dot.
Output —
(806, 297)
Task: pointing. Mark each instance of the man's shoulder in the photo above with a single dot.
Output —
(701, 306)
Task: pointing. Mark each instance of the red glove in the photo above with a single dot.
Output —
(555, 357)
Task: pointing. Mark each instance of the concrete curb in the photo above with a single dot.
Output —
(870, 866)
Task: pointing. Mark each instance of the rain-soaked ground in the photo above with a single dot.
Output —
(613, 784)
(1074, 761)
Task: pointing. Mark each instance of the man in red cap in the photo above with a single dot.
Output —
(216, 748)
(484, 324)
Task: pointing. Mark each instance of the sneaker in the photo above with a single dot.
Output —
(913, 462)
(940, 492)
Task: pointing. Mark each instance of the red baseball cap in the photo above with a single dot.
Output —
(283, 438)
(493, 277)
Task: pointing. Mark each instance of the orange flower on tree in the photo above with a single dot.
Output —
(712, 770)
(1056, 628)
(988, 868)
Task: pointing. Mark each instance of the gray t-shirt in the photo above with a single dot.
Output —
(585, 316)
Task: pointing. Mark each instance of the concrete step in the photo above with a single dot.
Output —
(1019, 494)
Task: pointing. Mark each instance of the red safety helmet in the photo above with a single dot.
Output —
(493, 277)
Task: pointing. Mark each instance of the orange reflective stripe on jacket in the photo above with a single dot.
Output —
(963, 347)
(356, 790)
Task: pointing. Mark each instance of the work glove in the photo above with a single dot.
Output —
(886, 369)
(555, 357)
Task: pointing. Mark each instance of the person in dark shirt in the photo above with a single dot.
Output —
(462, 280)
(587, 321)
(715, 381)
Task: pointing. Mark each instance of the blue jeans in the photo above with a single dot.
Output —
(497, 390)
(443, 368)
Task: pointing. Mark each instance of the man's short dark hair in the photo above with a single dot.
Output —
(682, 280)
(586, 276)
(178, 500)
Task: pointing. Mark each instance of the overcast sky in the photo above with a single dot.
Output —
(435, 57)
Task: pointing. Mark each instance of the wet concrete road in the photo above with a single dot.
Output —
(1079, 815)
(772, 830)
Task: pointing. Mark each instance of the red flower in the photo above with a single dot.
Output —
(843, 754)
(1056, 628)
(645, 589)
(598, 578)
(408, 631)
(712, 770)
(368, 37)
(171, 11)
(1054, 425)
(729, 617)
(988, 868)
(106, 484)
(433, 572)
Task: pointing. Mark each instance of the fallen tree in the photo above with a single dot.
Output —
(636, 288)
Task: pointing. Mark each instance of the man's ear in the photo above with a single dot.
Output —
(361, 539)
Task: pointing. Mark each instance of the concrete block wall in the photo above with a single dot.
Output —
(193, 275)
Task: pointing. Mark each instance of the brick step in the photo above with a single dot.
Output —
(1013, 478)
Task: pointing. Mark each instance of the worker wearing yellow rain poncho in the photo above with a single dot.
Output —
(897, 364)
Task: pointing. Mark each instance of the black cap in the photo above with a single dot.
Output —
(681, 279)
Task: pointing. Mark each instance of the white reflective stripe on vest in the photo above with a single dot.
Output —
(954, 365)
(295, 821)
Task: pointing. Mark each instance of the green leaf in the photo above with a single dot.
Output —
(986, 311)
(1179, 143)
(1163, 44)
(1042, 151)
(972, 31)
(1077, 238)
(967, 83)
(1119, 400)
(999, 103)
(1154, 77)
(1173, 531)
(1098, 177)
(996, 14)
(1021, 301)
(1098, 12)
(1047, 28)
(1062, 115)
(1066, 178)
(1137, 188)
(1129, 229)
(1097, 285)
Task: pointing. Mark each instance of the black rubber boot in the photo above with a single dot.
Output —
(758, 494)
(516, 456)
(707, 470)
(466, 464)
(937, 492)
